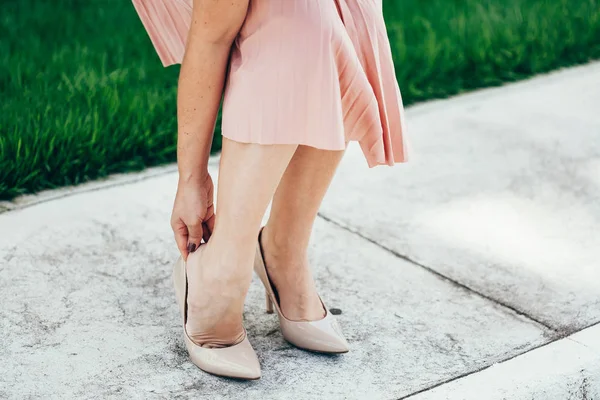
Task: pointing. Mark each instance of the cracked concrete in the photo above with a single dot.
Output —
(461, 275)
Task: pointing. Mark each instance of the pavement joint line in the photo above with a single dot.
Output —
(555, 332)
(475, 371)
(568, 337)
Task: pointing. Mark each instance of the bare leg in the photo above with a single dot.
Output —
(286, 236)
(220, 274)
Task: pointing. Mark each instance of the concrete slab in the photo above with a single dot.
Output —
(88, 312)
(562, 370)
(501, 195)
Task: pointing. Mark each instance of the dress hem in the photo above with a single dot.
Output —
(389, 163)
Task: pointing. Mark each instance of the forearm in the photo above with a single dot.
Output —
(215, 24)
(200, 88)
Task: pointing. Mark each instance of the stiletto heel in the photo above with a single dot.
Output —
(237, 361)
(322, 336)
(269, 303)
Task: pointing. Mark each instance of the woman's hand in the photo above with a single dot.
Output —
(215, 25)
(193, 217)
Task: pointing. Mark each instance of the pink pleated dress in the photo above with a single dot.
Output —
(312, 72)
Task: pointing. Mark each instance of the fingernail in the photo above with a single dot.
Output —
(191, 247)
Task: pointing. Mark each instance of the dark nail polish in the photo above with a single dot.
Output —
(191, 247)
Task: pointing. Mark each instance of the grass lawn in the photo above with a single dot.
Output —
(83, 94)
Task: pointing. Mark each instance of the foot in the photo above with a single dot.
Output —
(290, 274)
(217, 288)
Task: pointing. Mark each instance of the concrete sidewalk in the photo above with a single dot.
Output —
(471, 272)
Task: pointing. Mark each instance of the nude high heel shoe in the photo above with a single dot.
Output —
(237, 361)
(321, 336)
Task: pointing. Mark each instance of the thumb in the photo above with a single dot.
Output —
(194, 236)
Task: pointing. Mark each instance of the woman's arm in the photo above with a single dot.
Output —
(215, 24)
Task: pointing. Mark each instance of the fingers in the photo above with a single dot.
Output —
(181, 237)
(208, 229)
(209, 223)
(194, 236)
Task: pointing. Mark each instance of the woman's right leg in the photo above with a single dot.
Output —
(285, 237)
(220, 274)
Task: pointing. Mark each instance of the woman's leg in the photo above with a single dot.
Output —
(220, 274)
(286, 235)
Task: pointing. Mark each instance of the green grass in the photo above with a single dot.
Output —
(444, 47)
(83, 94)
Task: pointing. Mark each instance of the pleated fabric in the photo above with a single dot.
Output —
(312, 72)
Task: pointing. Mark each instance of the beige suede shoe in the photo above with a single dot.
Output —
(321, 336)
(237, 361)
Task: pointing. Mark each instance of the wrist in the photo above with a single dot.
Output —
(198, 175)
(192, 162)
